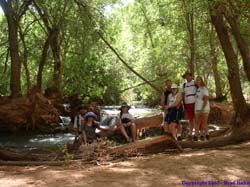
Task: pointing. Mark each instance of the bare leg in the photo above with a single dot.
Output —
(191, 126)
(133, 130)
(198, 124)
(173, 129)
(166, 127)
(122, 129)
(204, 123)
(179, 128)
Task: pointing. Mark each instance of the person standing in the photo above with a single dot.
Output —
(164, 102)
(189, 93)
(78, 121)
(202, 108)
(172, 107)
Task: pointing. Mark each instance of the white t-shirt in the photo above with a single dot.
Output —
(201, 92)
(172, 98)
(125, 115)
(80, 117)
(189, 91)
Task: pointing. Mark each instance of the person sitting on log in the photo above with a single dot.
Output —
(172, 117)
(124, 120)
(78, 121)
(89, 128)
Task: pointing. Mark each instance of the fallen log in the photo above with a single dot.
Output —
(10, 155)
(153, 145)
(32, 163)
(153, 121)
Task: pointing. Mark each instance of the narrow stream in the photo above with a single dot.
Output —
(50, 142)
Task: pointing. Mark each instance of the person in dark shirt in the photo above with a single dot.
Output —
(164, 100)
(89, 128)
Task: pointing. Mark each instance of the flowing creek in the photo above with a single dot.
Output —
(50, 142)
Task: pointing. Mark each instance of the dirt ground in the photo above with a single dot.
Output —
(221, 166)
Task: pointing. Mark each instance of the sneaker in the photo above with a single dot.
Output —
(195, 138)
(202, 138)
(207, 137)
(179, 138)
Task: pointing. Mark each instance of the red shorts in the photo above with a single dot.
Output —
(189, 110)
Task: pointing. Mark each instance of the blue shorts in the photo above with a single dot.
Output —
(172, 116)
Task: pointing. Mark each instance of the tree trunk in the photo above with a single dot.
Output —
(15, 79)
(25, 59)
(239, 103)
(126, 64)
(244, 50)
(52, 35)
(153, 145)
(57, 64)
(189, 19)
(214, 60)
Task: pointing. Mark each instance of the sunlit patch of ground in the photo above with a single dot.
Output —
(227, 164)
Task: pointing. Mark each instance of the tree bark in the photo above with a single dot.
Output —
(239, 102)
(15, 79)
(153, 145)
(56, 51)
(214, 60)
(244, 49)
(189, 20)
(25, 59)
(50, 39)
(126, 64)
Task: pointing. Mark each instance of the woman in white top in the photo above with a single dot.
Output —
(125, 120)
(172, 117)
(202, 109)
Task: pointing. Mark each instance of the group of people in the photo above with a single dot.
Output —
(193, 100)
(85, 124)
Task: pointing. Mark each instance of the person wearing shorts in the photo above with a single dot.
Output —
(202, 108)
(172, 118)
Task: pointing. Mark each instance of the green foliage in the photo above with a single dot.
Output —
(152, 36)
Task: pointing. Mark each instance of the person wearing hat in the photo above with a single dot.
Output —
(124, 120)
(89, 128)
(189, 92)
(78, 121)
(173, 104)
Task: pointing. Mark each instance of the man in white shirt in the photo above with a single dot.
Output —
(189, 92)
(78, 121)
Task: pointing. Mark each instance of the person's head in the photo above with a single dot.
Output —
(168, 84)
(90, 116)
(199, 81)
(83, 109)
(174, 89)
(125, 108)
(188, 76)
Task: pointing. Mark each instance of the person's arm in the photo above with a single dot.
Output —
(177, 102)
(163, 100)
(76, 129)
(205, 99)
(84, 136)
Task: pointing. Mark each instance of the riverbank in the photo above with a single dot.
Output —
(229, 163)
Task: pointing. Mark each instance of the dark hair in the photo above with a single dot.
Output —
(82, 107)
